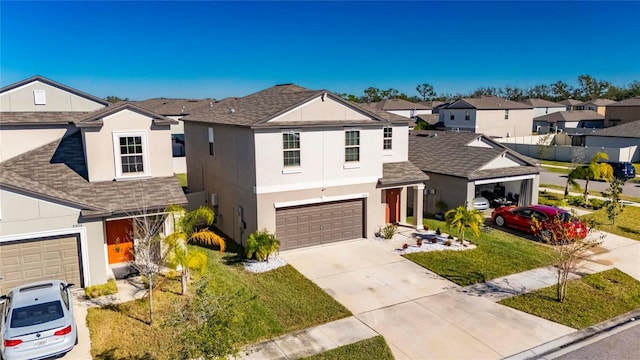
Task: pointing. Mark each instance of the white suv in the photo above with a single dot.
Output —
(37, 321)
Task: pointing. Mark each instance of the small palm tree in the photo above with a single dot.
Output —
(596, 170)
(191, 226)
(575, 173)
(462, 218)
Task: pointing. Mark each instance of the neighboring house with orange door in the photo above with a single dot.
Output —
(307, 165)
(67, 197)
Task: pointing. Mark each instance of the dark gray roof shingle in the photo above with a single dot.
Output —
(174, 107)
(41, 118)
(628, 130)
(50, 82)
(447, 153)
(58, 170)
(540, 103)
(635, 101)
(401, 173)
(486, 103)
(571, 115)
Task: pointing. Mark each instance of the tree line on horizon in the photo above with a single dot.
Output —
(589, 88)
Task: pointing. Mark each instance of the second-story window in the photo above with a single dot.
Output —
(467, 116)
(387, 138)
(351, 145)
(452, 117)
(291, 148)
(506, 114)
(211, 147)
(131, 155)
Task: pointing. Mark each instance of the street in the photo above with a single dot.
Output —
(620, 344)
(630, 189)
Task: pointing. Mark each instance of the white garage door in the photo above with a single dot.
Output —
(26, 261)
(315, 224)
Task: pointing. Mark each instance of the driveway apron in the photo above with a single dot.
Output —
(420, 314)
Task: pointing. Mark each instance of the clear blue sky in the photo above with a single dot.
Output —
(217, 49)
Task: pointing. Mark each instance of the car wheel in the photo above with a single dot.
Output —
(546, 235)
(500, 221)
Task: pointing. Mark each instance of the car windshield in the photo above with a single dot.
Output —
(565, 217)
(36, 314)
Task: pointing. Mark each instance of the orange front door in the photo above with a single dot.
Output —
(120, 241)
(392, 210)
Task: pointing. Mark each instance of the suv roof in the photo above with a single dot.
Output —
(42, 291)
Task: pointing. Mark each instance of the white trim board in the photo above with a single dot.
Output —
(504, 179)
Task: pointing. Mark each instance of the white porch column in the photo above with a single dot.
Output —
(418, 200)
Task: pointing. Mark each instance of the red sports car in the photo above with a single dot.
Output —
(521, 218)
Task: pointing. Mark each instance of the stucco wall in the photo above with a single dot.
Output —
(101, 150)
(625, 114)
(451, 190)
(22, 99)
(493, 123)
(459, 121)
(317, 109)
(16, 140)
(407, 113)
(539, 111)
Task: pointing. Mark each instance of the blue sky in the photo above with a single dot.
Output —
(217, 49)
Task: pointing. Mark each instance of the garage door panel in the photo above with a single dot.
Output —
(39, 259)
(319, 223)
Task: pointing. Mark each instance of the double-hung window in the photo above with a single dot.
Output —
(467, 115)
(352, 145)
(506, 114)
(387, 138)
(452, 117)
(130, 152)
(291, 149)
(211, 147)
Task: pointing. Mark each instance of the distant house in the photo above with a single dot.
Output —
(462, 166)
(622, 136)
(304, 164)
(74, 173)
(623, 112)
(489, 115)
(400, 107)
(542, 107)
(570, 104)
(176, 109)
(597, 105)
(574, 119)
(433, 105)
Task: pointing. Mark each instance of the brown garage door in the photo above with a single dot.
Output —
(26, 261)
(315, 224)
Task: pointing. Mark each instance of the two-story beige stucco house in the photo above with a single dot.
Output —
(488, 115)
(623, 112)
(68, 195)
(307, 165)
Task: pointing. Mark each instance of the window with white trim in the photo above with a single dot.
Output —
(131, 155)
(506, 114)
(352, 145)
(387, 138)
(291, 149)
(467, 116)
(211, 147)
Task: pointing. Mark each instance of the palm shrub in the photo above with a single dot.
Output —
(261, 244)
(388, 231)
(462, 218)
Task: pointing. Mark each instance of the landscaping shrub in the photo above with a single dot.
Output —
(551, 199)
(261, 244)
(108, 288)
(577, 201)
(597, 204)
(388, 231)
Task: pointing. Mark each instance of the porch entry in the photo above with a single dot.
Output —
(120, 241)
(392, 207)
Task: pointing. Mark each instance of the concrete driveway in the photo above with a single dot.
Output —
(420, 314)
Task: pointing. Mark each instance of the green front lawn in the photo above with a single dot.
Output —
(627, 223)
(498, 254)
(182, 179)
(591, 192)
(373, 348)
(590, 300)
(557, 170)
(271, 304)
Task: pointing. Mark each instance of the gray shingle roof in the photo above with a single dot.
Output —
(54, 84)
(599, 102)
(41, 118)
(257, 109)
(635, 101)
(431, 119)
(571, 115)
(486, 103)
(629, 130)
(173, 107)
(571, 102)
(95, 118)
(541, 103)
(58, 171)
(399, 104)
(401, 173)
(447, 153)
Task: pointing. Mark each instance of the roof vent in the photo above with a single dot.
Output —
(211, 104)
(434, 135)
(232, 110)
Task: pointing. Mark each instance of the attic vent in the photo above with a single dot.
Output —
(39, 97)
